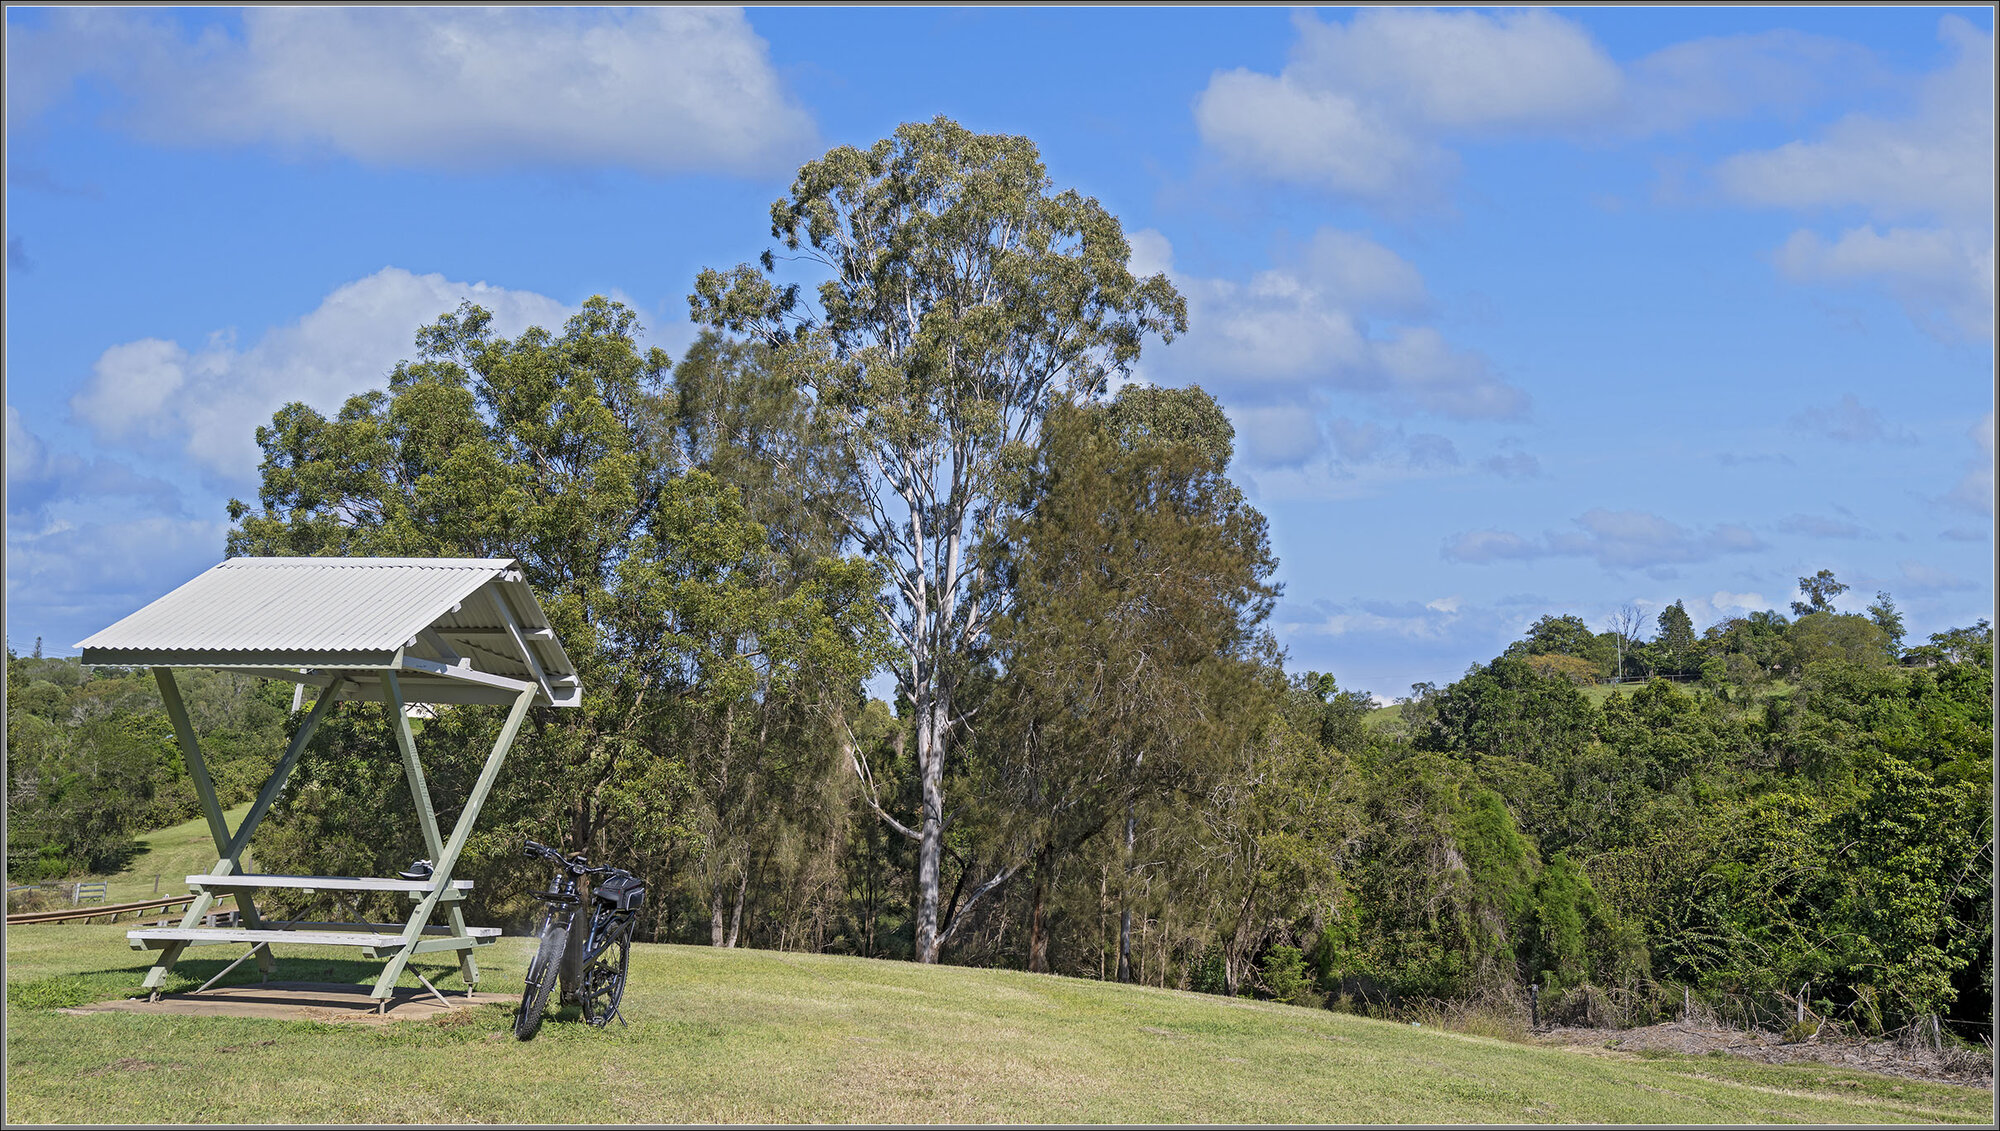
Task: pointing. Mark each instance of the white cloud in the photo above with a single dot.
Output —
(1820, 526)
(1974, 490)
(24, 449)
(1627, 539)
(77, 578)
(39, 481)
(1513, 465)
(1937, 161)
(1918, 577)
(1152, 253)
(1734, 76)
(1933, 167)
(1278, 347)
(660, 89)
(1405, 620)
(1943, 278)
(207, 402)
(1275, 127)
(1462, 70)
(1358, 105)
(1276, 436)
(1851, 422)
(1365, 109)
(1751, 602)
(1356, 441)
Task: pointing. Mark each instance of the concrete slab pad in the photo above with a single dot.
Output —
(300, 1001)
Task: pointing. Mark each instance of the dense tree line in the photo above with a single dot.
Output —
(1094, 762)
(92, 761)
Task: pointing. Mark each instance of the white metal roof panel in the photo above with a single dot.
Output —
(302, 604)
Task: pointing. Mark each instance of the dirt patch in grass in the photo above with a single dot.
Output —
(1910, 1060)
(306, 1001)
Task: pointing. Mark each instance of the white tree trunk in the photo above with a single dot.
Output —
(932, 718)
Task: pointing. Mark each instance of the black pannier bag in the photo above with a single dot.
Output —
(623, 893)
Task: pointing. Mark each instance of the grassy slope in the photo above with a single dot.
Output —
(732, 1036)
(169, 857)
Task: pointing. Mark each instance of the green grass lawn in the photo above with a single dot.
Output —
(755, 1036)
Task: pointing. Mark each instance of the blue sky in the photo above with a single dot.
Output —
(1516, 311)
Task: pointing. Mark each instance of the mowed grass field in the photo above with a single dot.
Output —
(753, 1036)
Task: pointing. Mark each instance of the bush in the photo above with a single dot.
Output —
(1288, 979)
(1208, 975)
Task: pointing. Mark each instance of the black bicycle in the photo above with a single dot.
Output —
(581, 959)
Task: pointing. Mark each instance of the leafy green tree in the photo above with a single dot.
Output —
(1261, 860)
(1442, 883)
(1912, 840)
(92, 761)
(1958, 646)
(1138, 581)
(1505, 708)
(1820, 589)
(1567, 635)
(1752, 648)
(961, 299)
(1342, 714)
(1626, 624)
(1839, 636)
(559, 451)
(1674, 645)
(1889, 619)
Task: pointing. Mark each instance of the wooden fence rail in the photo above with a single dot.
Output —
(109, 912)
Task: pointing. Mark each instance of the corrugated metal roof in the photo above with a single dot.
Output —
(302, 604)
(344, 613)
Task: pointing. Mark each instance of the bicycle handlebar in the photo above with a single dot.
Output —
(575, 861)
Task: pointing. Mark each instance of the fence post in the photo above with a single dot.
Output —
(1685, 1000)
(1803, 990)
(1534, 1007)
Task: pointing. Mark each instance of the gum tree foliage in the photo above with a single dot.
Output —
(763, 772)
(557, 450)
(959, 298)
(1820, 589)
(1138, 581)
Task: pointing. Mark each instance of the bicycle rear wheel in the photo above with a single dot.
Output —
(604, 981)
(541, 975)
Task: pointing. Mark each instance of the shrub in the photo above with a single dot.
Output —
(1288, 979)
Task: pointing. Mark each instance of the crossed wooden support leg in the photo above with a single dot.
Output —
(446, 854)
(229, 848)
(411, 941)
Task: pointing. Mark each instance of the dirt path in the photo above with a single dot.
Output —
(1890, 1058)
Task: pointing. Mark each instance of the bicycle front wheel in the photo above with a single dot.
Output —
(541, 975)
(604, 982)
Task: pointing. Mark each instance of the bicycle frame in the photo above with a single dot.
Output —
(564, 902)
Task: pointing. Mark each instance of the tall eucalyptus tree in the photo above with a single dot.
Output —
(959, 298)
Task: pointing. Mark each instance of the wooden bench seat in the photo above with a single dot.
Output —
(320, 883)
(386, 937)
